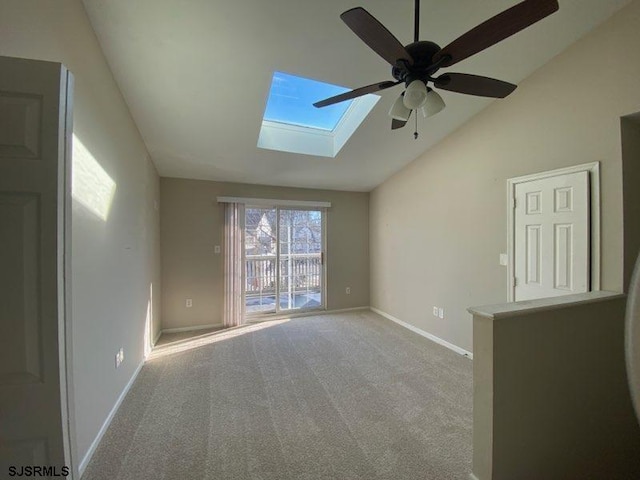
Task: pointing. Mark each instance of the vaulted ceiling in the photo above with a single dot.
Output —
(196, 75)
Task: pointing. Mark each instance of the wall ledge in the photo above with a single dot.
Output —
(514, 309)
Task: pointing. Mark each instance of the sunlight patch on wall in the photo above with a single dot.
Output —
(148, 325)
(91, 186)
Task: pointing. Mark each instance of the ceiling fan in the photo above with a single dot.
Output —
(415, 64)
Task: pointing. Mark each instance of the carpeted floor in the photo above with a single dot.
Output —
(349, 396)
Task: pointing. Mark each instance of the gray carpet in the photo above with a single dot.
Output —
(349, 396)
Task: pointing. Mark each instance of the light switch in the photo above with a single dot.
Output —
(504, 259)
(216, 249)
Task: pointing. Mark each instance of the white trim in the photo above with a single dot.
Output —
(242, 212)
(428, 335)
(593, 169)
(266, 318)
(305, 313)
(189, 329)
(274, 202)
(96, 441)
(472, 477)
(65, 320)
(325, 259)
(344, 310)
(155, 340)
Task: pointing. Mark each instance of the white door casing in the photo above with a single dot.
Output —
(554, 233)
(35, 130)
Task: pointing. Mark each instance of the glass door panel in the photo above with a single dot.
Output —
(300, 251)
(260, 251)
(284, 268)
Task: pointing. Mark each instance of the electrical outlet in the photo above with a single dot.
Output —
(348, 290)
(441, 312)
(435, 311)
(189, 303)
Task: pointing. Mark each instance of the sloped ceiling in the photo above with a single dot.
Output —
(196, 74)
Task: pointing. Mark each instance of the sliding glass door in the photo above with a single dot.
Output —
(284, 259)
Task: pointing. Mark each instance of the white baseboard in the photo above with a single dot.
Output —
(257, 319)
(428, 335)
(307, 313)
(472, 477)
(190, 329)
(155, 340)
(343, 310)
(87, 457)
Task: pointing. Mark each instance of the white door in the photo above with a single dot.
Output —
(552, 236)
(34, 201)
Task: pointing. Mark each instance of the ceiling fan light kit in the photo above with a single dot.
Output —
(433, 105)
(399, 111)
(416, 95)
(416, 64)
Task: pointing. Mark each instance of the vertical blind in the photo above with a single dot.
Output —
(233, 311)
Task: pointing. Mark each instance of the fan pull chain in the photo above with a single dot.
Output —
(415, 134)
(416, 21)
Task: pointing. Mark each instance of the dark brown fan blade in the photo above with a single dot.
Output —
(474, 85)
(396, 124)
(375, 35)
(358, 92)
(496, 29)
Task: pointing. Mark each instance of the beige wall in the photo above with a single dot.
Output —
(550, 393)
(191, 224)
(115, 260)
(630, 127)
(439, 225)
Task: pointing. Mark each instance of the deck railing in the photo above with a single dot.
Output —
(302, 270)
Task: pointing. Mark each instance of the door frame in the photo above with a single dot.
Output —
(593, 169)
(65, 299)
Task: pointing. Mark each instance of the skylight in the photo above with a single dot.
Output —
(291, 101)
(292, 124)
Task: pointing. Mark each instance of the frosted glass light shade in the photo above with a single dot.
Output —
(433, 104)
(415, 95)
(399, 111)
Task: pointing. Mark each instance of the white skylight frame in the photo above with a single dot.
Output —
(314, 141)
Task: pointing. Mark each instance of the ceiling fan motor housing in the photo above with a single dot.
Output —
(415, 64)
(423, 66)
